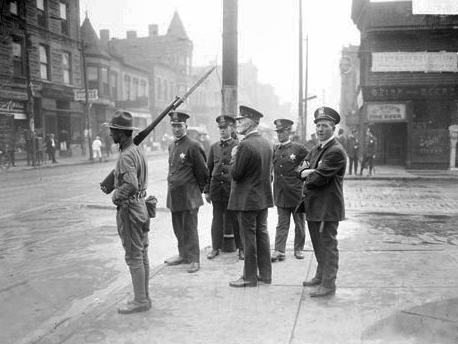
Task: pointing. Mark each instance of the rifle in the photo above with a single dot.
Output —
(107, 185)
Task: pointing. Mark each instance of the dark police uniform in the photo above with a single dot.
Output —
(219, 188)
(187, 178)
(251, 195)
(323, 203)
(288, 190)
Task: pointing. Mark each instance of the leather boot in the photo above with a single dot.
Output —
(140, 302)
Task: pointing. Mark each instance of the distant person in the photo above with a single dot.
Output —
(312, 142)
(108, 143)
(251, 196)
(353, 151)
(370, 148)
(28, 136)
(323, 172)
(97, 148)
(287, 156)
(51, 148)
(218, 189)
(342, 138)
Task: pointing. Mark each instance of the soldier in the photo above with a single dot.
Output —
(323, 172)
(188, 175)
(287, 190)
(251, 196)
(132, 218)
(219, 186)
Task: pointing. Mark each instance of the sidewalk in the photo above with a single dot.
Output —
(389, 291)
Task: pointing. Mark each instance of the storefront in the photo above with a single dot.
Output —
(14, 127)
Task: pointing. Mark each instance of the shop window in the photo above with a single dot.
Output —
(92, 78)
(18, 56)
(44, 62)
(67, 68)
(64, 18)
(105, 84)
(41, 13)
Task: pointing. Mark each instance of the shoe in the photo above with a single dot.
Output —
(176, 261)
(298, 254)
(264, 281)
(213, 254)
(241, 283)
(194, 267)
(323, 291)
(134, 307)
(277, 255)
(241, 254)
(313, 282)
(149, 301)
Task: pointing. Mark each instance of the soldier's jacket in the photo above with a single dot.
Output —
(219, 168)
(251, 174)
(188, 175)
(287, 187)
(323, 189)
(131, 173)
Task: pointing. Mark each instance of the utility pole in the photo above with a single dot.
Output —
(230, 77)
(300, 102)
(87, 109)
(306, 98)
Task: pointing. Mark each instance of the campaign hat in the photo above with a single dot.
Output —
(121, 120)
(326, 113)
(283, 124)
(247, 112)
(225, 121)
(178, 117)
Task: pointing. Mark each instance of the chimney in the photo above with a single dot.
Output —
(131, 34)
(152, 29)
(104, 37)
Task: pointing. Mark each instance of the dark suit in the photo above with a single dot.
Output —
(251, 195)
(323, 202)
(187, 178)
(219, 188)
(287, 193)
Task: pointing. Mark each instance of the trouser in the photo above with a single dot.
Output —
(134, 238)
(353, 162)
(224, 221)
(256, 245)
(369, 161)
(185, 229)
(281, 235)
(52, 154)
(326, 251)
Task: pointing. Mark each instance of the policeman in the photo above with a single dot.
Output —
(188, 175)
(219, 186)
(287, 190)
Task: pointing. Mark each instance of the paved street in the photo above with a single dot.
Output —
(61, 264)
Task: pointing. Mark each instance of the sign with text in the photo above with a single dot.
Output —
(437, 7)
(80, 95)
(414, 62)
(389, 112)
(410, 92)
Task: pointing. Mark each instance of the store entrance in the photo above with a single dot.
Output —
(391, 143)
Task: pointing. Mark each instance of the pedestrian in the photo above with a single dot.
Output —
(370, 147)
(130, 182)
(97, 148)
(353, 151)
(51, 148)
(219, 187)
(323, 171)
(108, 143)
(342, 138)
(287, 190)
(251, 196)
(28, 137)
(188, 175)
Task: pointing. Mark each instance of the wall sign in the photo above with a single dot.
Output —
(415, 61)
(410, 92)
(386, 113)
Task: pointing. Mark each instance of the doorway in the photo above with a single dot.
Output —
(391, 143)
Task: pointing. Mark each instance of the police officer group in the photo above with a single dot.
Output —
(237, 180)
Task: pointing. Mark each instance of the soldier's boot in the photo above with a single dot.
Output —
(140, 302)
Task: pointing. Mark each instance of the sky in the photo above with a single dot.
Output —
(267, 34)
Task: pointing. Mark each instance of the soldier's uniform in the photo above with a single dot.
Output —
(219, 188)
(186, 180)
(287, 192)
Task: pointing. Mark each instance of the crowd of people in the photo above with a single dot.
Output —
(236, 179)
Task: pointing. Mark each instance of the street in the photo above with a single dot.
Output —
(61, 256)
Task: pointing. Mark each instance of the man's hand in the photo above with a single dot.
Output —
(305, 173)
(207, 197)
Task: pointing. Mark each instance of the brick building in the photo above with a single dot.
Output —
(409, 81)
(40, 66)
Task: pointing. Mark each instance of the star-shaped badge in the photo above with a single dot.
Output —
(182, 156)
(293, 157)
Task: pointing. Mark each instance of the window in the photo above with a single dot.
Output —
(92, 78)
(44, 62)
(18, 59)
(67, 68)
(135, 91)
(143, 88)
(127, 87)
(64, 18)
(14, 7)
(41, 13)
(158, 88)
(114, 84)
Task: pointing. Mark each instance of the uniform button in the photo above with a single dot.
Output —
(222, 172)
(281, 165)
(222, 182)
